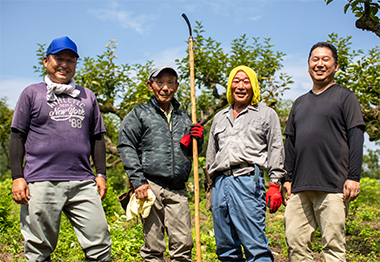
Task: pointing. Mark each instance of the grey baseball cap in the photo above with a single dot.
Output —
(157, 70)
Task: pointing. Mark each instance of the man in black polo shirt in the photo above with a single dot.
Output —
(324, 150)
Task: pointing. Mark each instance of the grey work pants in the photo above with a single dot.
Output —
(170, 213)
(41, 218)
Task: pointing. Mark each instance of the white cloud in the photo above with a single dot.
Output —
(255, 18)
(126, 19)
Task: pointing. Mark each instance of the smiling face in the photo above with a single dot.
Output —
(322, 67)
(61, 66)
(241, 89)
(164, 87)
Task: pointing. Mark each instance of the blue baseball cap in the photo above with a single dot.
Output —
(60, 44)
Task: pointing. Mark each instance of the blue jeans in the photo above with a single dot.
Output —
(238, 209)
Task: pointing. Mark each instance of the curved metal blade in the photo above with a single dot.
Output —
(188, 23)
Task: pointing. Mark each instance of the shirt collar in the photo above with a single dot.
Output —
(249, 107)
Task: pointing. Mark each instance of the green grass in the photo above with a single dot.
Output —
(363, 224)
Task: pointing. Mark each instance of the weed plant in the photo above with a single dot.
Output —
(362, 226)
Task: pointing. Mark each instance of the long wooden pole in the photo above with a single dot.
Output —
(195, 144)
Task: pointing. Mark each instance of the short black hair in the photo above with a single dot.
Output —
(326, 45)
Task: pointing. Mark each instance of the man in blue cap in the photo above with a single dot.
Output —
(57, 126)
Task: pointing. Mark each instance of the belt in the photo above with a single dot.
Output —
(256, 173)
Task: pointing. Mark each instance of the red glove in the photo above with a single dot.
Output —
(185, 140)
(274, 199)
(196, 131)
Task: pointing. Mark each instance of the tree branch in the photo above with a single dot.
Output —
(215, 91)
(371, 116)
(210, 111)
(366, 22)
(110, 147)
(113, 164)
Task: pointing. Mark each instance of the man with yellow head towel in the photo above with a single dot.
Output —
(245, 139)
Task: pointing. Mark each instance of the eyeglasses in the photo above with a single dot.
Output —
(169, 84)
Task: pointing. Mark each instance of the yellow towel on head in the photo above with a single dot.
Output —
(138, 206)
(254, 84)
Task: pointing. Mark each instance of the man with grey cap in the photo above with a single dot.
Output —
(57, 126)
(154, 146)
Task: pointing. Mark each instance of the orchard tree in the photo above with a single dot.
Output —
(361, 73)
(213, 64)
(119, 88)
(371, 164)
(367, 13)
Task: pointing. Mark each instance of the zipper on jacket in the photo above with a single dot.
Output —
(171, 138)
(171, 134)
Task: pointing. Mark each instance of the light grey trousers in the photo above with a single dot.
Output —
(81, 203)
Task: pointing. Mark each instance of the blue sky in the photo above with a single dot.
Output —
(154, 30)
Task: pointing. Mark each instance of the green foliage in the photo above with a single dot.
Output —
(10, 235)
(138, 92)
(5, 205)
(40, 68)
(363, 222)
(275, 232)
(68, 247)
(106, 79)
(127, 237)
(360, 73)
(213, 65)
(358, 8)
(119, 88)
(362, 226)
(5, 126)
(367, 13)
(208, 246)
(117, 176)
(371, 164)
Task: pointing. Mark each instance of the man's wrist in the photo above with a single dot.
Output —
(101, 175)
(277, 182)
(17, 175)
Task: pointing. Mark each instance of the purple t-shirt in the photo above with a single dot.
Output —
(58, 143)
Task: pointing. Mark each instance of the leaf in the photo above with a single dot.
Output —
(346, 8)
